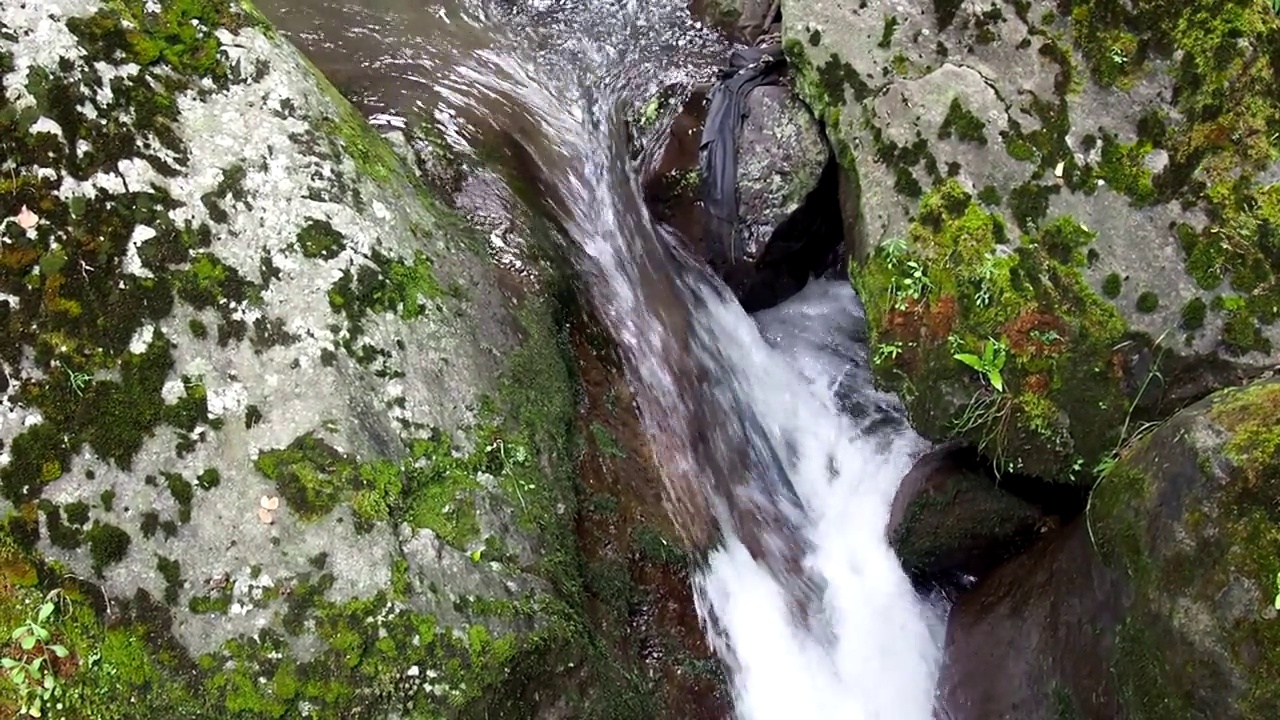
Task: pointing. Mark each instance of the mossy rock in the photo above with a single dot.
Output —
(1189, 515)
(1041, 393)
(275, 414)
(1152, 125)
(1159, 602)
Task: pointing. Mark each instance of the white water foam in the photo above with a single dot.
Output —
(885, 660)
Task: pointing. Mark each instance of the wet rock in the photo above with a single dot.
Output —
(273, 412)
(1073, 178)
(769, 220)
(1158, 603)
(950, 521)
(781, 156)
(743, 21)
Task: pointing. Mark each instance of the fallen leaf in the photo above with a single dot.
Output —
(269, 503)
(27, 219)
(265, 516)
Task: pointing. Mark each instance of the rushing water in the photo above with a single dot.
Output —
(769, 436)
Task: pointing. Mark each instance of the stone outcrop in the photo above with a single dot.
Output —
(785, 227)
(1090, 198)
(276, 430)
(1159, 602)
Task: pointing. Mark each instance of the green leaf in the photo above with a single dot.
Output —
(999, 363)
(45, 611)
(997, 382)
(60, 650)
(970, 359)
(28, 642)
(9, 663)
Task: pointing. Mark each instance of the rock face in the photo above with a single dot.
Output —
(950, 521)
(1061, 191)
(278, 432)
(1173, 613)
(781, 234)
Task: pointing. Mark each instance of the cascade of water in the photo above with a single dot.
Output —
(750, 419)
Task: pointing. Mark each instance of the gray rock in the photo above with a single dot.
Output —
(781, 153)
(883, 75)
(257, 397)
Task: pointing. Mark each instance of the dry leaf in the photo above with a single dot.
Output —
(265, 516)
(269, 503)
(27, 219)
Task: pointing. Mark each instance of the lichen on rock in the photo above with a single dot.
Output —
(250, 418)
(1151, 124)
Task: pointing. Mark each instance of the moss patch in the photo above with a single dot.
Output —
(1226, 90)
(955, 286)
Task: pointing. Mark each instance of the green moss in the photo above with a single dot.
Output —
(1112, 285)
(183, 492)
(319, 239)
(311, 475)
(386, 285)
(108, 545)
(1229, 537)
(171, 571)
(1147, 302)
(1193, 314)
(990, 196)
(1123, 169)
(886, 34)
(963, 124)
(1035, 302)
(1228, 103)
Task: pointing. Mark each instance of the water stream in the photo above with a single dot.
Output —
(772, 443)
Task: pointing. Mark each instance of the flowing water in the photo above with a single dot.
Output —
(773, 445)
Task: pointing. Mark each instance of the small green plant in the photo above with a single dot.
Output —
(887, 351)
(1045, 337)
(77, 380)
(31, 672)
(989, 364)
(649, 113)
(1277, 600)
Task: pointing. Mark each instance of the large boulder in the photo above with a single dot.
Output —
(1159, 603)
(778, 234)
(1065, 190)
(279, 436)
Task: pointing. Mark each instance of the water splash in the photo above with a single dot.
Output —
(803, 597)
(775, 449)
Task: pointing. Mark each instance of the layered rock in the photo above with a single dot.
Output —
(278, 433)
(1160, 602)
(1063, 190)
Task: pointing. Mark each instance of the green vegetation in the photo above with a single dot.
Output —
(955, 286)
(1147, 302)
(963, 124)
(31, 668)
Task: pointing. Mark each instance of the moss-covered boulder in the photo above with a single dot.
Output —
(1065, 185)
(274, 430)
(1160, 602)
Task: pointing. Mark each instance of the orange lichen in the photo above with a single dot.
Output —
(941, 317)
(1034, 333)
(1036, 383)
